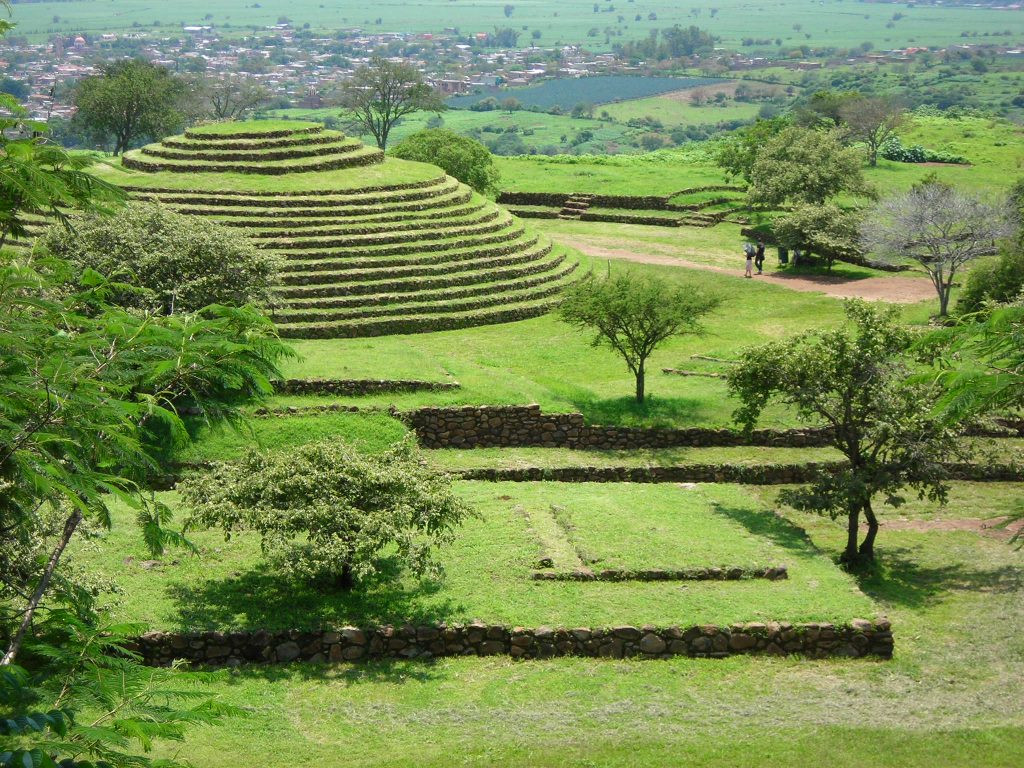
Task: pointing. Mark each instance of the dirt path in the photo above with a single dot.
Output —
(896, 289)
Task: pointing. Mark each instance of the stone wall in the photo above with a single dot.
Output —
(525, 425)
(858, 639)
(359, 386)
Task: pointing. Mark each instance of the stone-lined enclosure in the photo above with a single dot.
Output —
(860, 638)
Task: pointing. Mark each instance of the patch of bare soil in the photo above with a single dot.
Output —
(896, 289)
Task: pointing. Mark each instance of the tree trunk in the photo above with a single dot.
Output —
(345, 580)
(867, 547)
(849, 556)
(640, 384)
(944, 300)
(44, 582)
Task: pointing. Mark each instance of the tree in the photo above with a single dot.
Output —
(232, 98)
(826, 230)
(325, 511)
(635, 315)
(466, 159)
(803, 165)
(382, 93)
(872, 120)
(939, 228)
(129, 101)
(736, 155)
(182, 263)
(91, 393)
(854, 382)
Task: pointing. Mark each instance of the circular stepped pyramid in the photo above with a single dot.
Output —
(371, 246)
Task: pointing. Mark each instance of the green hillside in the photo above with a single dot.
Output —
(372, 246)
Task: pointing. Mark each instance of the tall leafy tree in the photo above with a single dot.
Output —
(736, 155)
(383, 92)
(232, 97)
(854, 382)
(86, 388)
(129, 101)
(872, 120)
(803, 165)
(635, 315)
(825, 229)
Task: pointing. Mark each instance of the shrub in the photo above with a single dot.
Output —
(464, 158)
(893, 149)
(180, 263)
(325, 511)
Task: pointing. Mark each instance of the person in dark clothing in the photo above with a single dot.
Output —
(759, 256)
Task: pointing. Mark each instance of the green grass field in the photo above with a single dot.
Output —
(820, 23)
(957, 700)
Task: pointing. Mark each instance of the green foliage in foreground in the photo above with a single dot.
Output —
(326, 512)
(89, 703)
(181, 263)
(464, 158)
(853, 381)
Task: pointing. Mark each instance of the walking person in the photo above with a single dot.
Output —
(759, 256)
(749, 251)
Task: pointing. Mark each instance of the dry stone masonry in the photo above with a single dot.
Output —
(860, 638)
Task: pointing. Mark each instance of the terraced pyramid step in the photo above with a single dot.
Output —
(370, 245)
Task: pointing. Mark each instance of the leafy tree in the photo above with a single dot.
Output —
(872, 120)
(382, 93)
(826, 230)
(635, 315)
(90, 394)
(854, 382)
(183, 263)
(802, 165)
(232, 98)
(823, 109)
(736, 155)
(466, 159)
(92, 703)
(129, 101)
(939, 228)
(326, 511)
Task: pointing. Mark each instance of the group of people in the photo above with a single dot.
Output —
(755, 257)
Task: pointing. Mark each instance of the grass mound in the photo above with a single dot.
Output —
(372, 246)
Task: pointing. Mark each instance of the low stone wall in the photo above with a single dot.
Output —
(773, 573)
(360, 386)
(860, 638)
(526, 426)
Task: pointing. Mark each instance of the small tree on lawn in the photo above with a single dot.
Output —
(939, 228)
(382, 93)
(635, 315)
(854, 382)
(825, 229)
(326, 512)
(872, 120)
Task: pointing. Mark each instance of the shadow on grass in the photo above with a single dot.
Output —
(263, 599)
(363, 673)
(627, 412)
(767, 525)
(899, 578)
(840, 273)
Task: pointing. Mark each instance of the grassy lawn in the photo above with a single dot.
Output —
(957, 698)
(230, 586)
(676, 109)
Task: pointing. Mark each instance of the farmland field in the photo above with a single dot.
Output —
(566, 93)
(829, 22)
